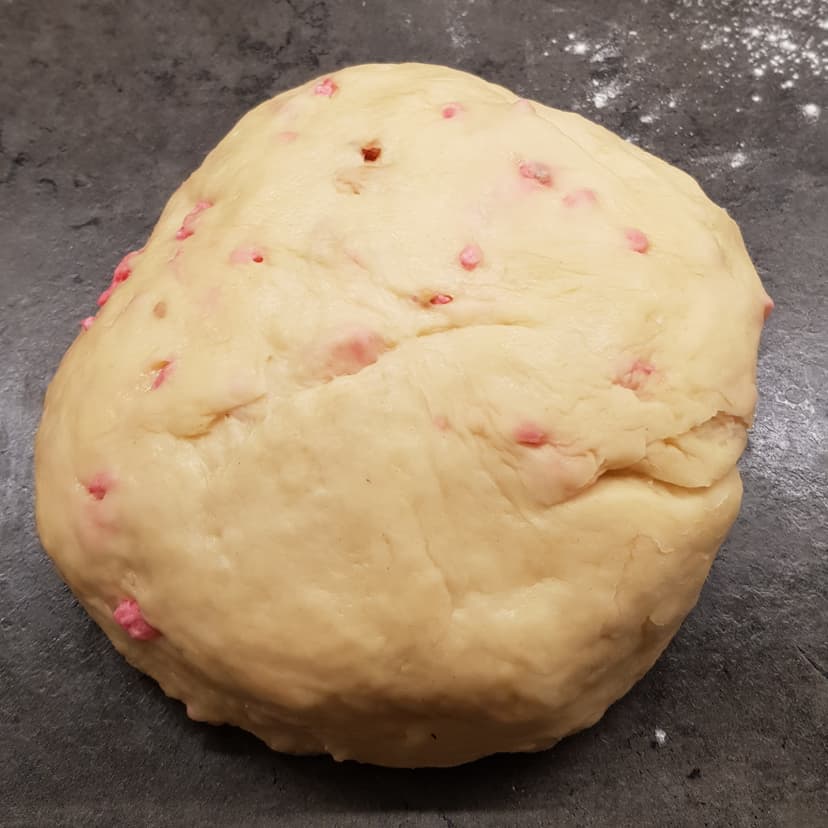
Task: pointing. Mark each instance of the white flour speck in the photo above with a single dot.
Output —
(766, 38)
(738, 159)
(455, 23)
(660, 737)
(606, 93)
(766, 44)
(605, 51)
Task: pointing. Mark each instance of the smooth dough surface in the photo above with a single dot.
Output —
(411, 434)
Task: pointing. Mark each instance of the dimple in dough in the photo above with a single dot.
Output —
(411, 433)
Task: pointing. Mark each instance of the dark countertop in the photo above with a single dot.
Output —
(106, 106)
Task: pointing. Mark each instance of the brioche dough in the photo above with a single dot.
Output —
(411, 433)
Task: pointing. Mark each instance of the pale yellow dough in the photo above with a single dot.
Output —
(395, 531)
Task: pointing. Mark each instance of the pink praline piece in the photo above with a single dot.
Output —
(128, 614)
(451, 110)
(522, 105)
(580, 198)
(636, 240)
(86, 324)
(124, 268)
(122, 272)
(529, 434)
(636, 375)
(536, 171)
(470, 256)
(354, 352)
(161, 375)
(326, 88)
(186, 230)
(104, 297)
(243, 255)
(99, 485)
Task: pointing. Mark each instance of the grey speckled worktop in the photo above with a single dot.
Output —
(106, 106)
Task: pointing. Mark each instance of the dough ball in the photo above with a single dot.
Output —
(411, 433)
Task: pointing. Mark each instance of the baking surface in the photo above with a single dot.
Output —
(106, 106)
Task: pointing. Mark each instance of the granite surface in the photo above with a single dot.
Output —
(106, 106)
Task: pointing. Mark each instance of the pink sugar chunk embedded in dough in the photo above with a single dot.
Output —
(767, 308)
(128, 614)
(353, 352)
(529, 434)
(451, 110)
(471, 256)
(580, 198)
(522, 105)
(636, 240)
(536, 171)
(104, 297)
(326, 88)
(99, 485)
(636, 375)
(244, 255)
(122, 272)
(86, 323)
(124, 268)
(162, 373)
(186, 230)
(441, 299)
